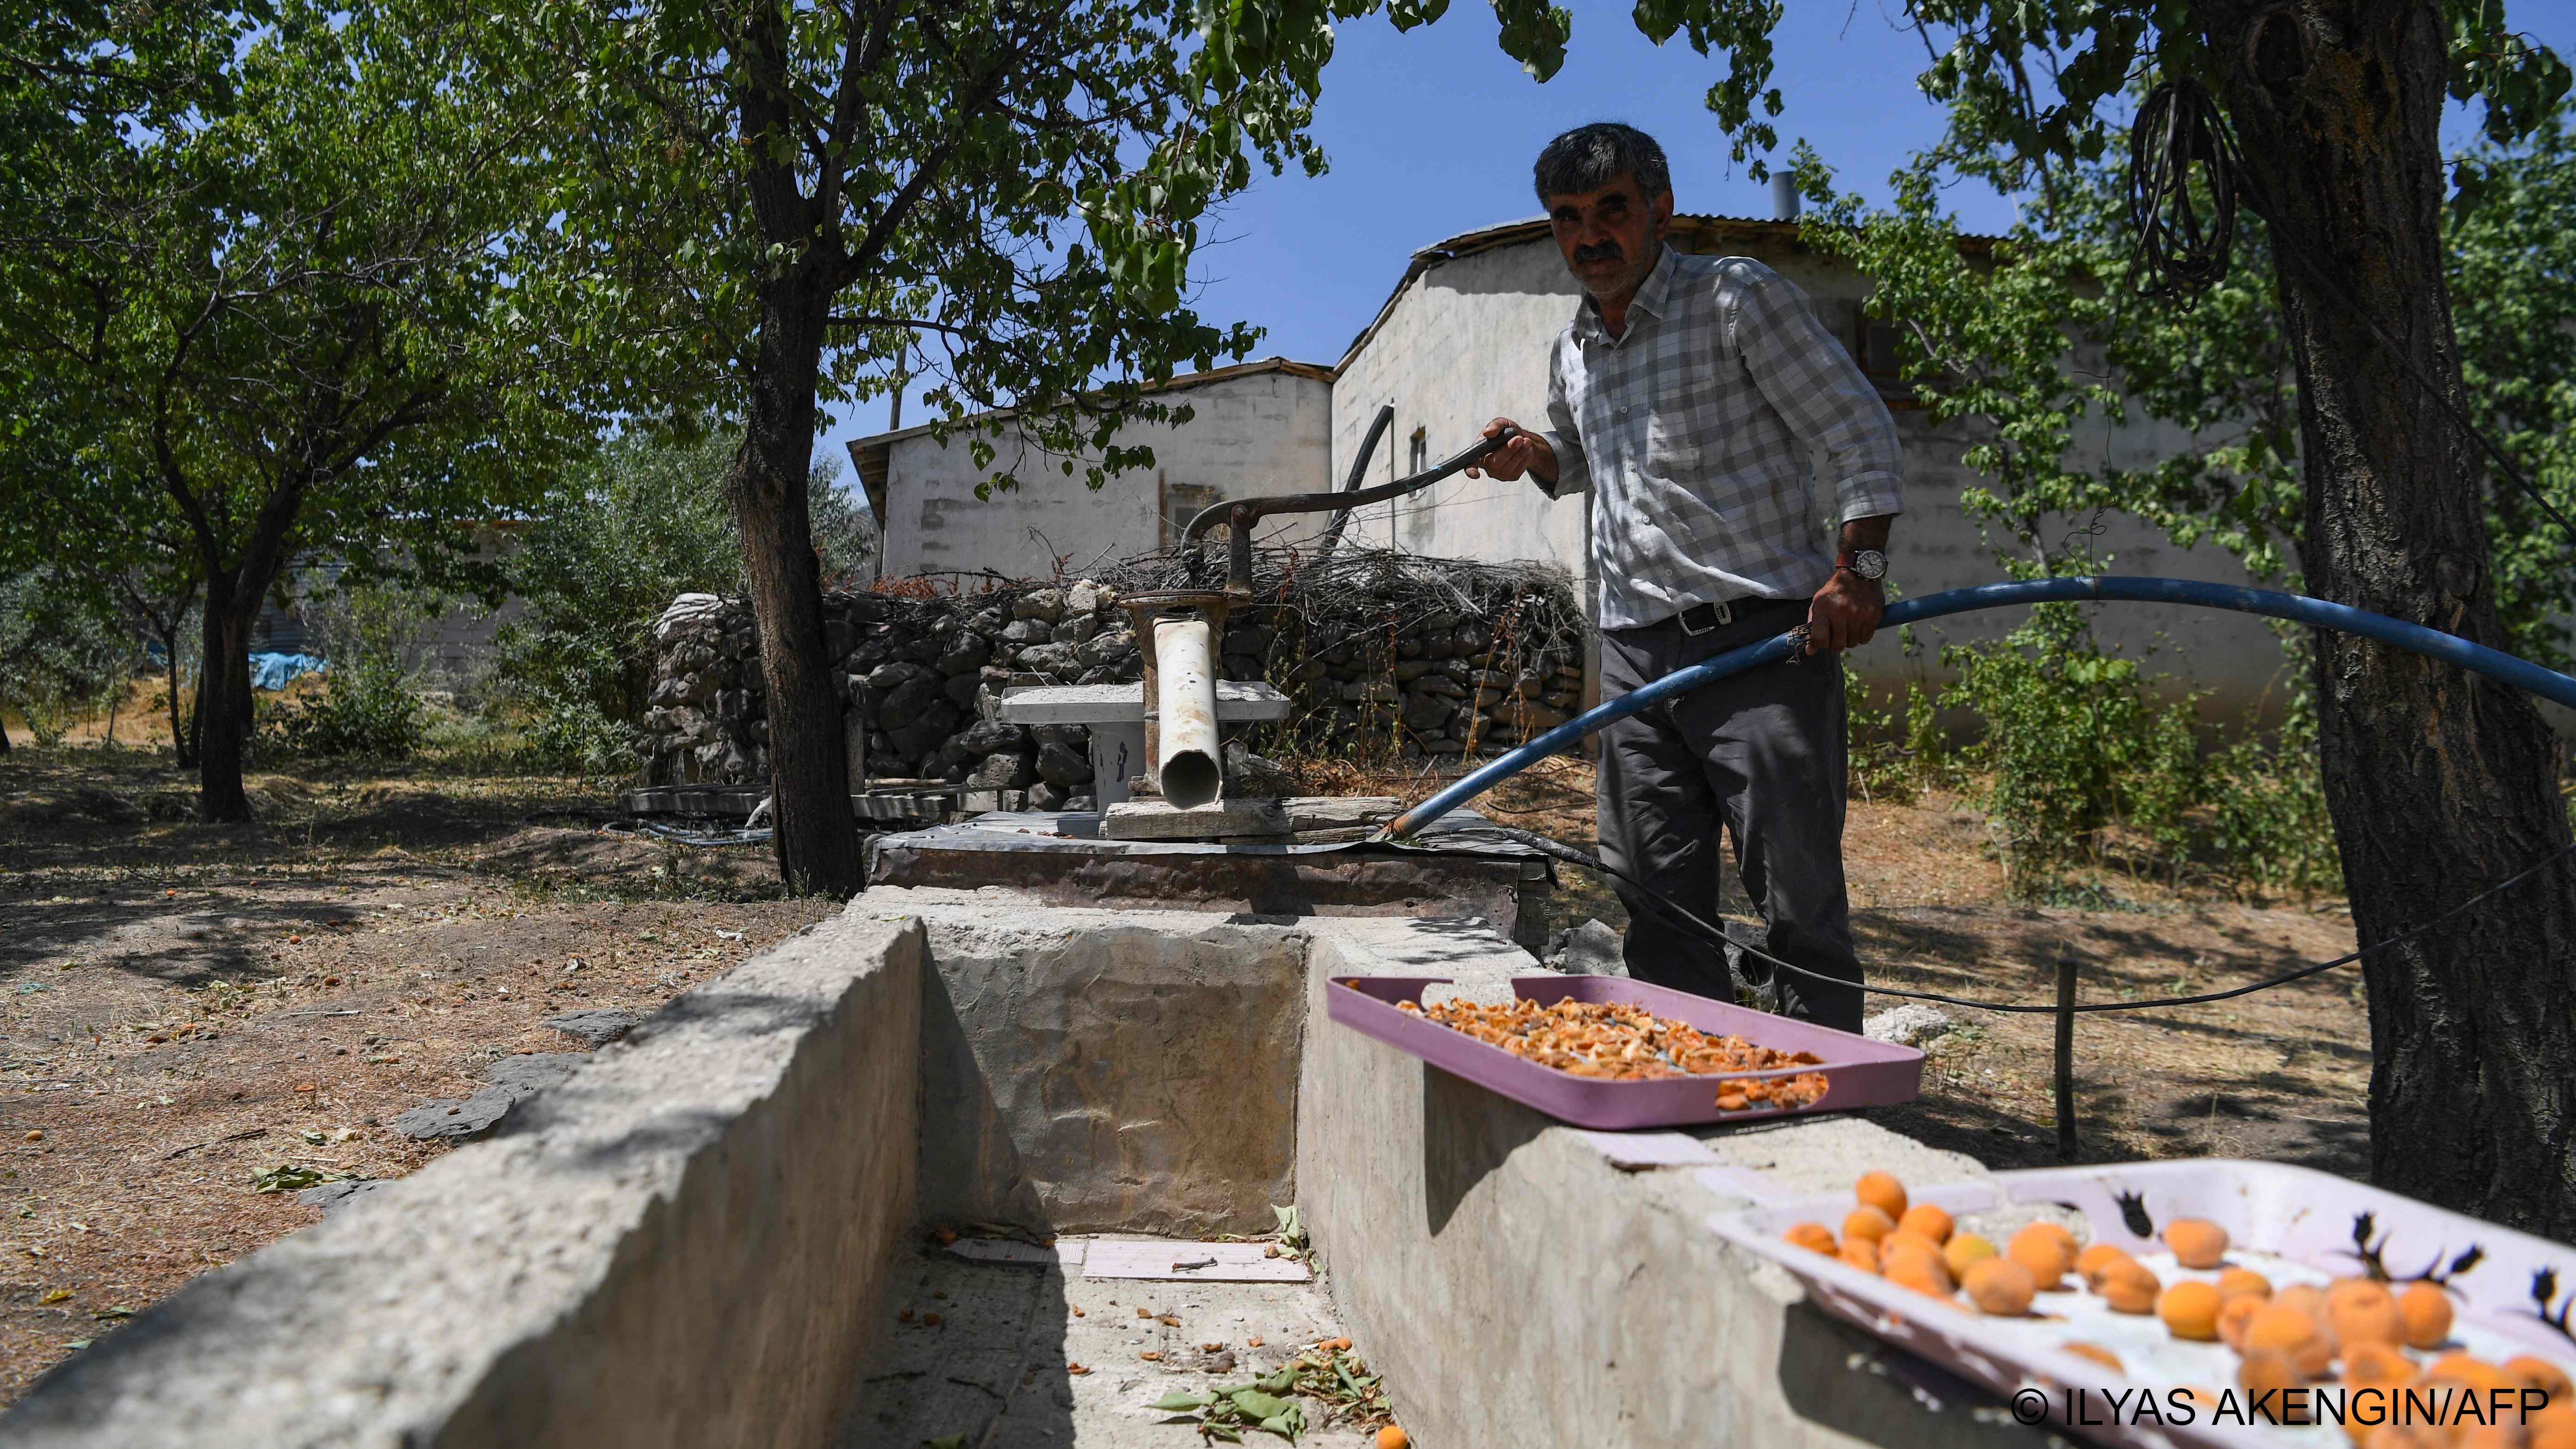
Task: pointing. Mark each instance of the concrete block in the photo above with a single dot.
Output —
(676, 1251)
(1161, 820)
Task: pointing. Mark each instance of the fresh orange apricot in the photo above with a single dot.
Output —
(1814, 1236)
(2196, 1242)
(1867, 1222)
(2242, 1282)
(2234, 1314)
(2374, 1362)
(2002, 1286)
(2290, 1332)
(1881, 1191)
(2096, 1257)
(1861, 1253)
(2190, 1310)
(2130, 1287)
(2541, 1374)
(1930, 1219)
(2274, 1386)
(2394, 1435)
(2478, 1374)
(1965, 1251)
(2553, 1427)
(2360, 1311)
(1906, 1238)
(2310, 1300)
(1392, 1437)
(2096, 1352)
(2425, 1311)
(2047, 1255)
(2490, 1436)
(1922, 1273)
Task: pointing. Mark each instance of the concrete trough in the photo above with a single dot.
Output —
(713, 1234)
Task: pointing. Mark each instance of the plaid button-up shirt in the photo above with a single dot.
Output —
(1697, 429)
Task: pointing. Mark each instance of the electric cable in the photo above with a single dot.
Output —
(2178, 126)
(1694, 922)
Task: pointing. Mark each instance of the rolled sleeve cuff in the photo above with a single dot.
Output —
(1871, 495)
(1573, 474)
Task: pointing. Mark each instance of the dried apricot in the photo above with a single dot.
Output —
(1930, 1220)
(2130, 1288)
(1867, 1222)
(2425, 1311)
(2196, 1242)
(2045, 1254)
(2275, 1387)
(2190, 1310)
(2289, 1331)
(1814, 1236)
(2002, 1286)
(2094, 1351)
(2360, 1311)
(1881, 1191)
(2243, 1282)
(1965, 1251)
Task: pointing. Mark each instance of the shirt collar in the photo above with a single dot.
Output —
(1654, 295)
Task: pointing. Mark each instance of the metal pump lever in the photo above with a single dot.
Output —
(1239, 517)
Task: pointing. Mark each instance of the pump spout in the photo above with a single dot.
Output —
(1185, 709)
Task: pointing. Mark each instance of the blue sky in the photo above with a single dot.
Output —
(1431, 133)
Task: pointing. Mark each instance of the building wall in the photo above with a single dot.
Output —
(1257, 433)
(1468, 340)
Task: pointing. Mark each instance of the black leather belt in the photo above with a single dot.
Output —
(1700, 618)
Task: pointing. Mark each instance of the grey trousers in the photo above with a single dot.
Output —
(1760, 754)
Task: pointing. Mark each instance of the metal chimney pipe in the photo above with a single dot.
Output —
(1185, 706)
(1784, 197)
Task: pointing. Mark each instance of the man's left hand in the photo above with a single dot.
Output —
(1845, 613)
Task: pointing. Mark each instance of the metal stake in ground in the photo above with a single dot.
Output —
(2065, 1057)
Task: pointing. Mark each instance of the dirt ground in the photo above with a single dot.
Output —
(190, 1007)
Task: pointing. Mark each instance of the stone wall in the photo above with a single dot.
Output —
(1398, 659)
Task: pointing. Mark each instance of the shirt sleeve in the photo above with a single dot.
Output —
(1822, 394)
(1573, 472)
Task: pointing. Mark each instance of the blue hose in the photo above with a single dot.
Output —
(2547, 683)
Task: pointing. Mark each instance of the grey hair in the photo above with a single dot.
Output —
(1588, 158)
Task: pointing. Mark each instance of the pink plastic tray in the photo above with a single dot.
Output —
(1858, 1072)
(2511, 1291)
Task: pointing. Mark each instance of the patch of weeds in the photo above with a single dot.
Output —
(1329, 1374)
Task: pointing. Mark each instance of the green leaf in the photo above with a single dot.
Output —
(1178, 1400)
(1257, 1405)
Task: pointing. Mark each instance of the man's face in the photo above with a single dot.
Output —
(1611, 237)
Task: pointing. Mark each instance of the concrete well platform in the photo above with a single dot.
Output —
(706, 1236)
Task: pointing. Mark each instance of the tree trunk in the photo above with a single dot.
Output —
(2441, 784)
(223, 699)
(814, 832)
(5, 746)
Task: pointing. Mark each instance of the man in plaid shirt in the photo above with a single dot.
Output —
(1696, 397)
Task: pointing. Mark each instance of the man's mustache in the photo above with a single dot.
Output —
(1606, 252)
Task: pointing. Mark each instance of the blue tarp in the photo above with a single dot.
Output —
(275, 671)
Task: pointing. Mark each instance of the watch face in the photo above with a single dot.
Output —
(1869, 563)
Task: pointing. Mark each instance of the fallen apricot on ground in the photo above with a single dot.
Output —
(2196, 1242)
(2425, 1311)
(2289, 1331)
(1867, 1222)
(1883, 1192)
(1815, 1236)
(2096, 1352)
(2274, 1386)
(2360, 1311)
(2130, 1288)
(1392, 1437)
(2045, 1254)
(2243, 1282)
(1930, 1220)
(2002, 1286)
(2190, 1310)
(1965, 1251)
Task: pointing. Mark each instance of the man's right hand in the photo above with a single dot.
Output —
(1527, 452)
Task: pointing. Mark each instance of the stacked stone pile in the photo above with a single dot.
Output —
(1372, 668)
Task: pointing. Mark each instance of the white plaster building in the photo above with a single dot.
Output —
(1462, 339)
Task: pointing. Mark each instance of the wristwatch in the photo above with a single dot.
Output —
(1869, 563)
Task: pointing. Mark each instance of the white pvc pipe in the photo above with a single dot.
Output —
(1185, 710)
